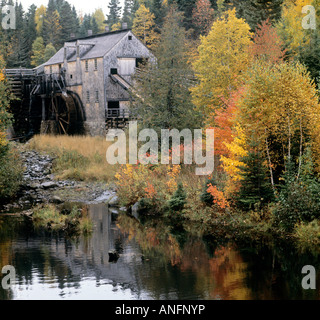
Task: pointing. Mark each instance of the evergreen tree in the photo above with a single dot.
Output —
(30, 31)
(75, 22)
(66, 22)
(158, 9)
(257, 11)
(18, 56)
(127, 13)
(162, 90)
(114, 12)
(256, 189)
(51, 25)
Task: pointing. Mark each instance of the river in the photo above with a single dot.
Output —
(155, 262)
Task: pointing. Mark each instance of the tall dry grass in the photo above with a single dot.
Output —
(76, 157)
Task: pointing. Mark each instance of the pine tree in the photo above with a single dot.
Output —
(256, 190)
(66, 22)
(75, 21)
(51, 25)
(30, 32)
(159, 11)
(257, 11)
(162, 89)
(127, 13)
(85, 26)
(18, 56)
(114, 12)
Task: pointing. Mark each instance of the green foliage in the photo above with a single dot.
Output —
(162, 90)
(11, 171)
(114, 12)
(72, 219)
(298, 200)
(307, 234)
(38, 50)
(256, 190)
(71, 159)
(178, 200)
(49, 52)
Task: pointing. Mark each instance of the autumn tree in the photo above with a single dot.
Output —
(202, 17)
(39, 19)
(280, 110)
(144, 26)
(223, 58)
(290, 26)
(267, 44)
(99, 16)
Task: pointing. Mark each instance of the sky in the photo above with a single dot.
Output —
(86, 6)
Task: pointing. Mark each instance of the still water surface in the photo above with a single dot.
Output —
(154, 263)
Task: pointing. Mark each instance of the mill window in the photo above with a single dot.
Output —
(97, 96)
(95, 64)
(88, 96)
(87, 65)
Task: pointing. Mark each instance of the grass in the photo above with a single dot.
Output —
(73, 220)
(78, 158)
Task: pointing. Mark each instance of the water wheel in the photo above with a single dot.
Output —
(63, 109)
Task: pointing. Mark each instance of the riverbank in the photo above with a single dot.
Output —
(171, 193)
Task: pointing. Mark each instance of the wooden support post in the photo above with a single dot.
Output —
(43, 109)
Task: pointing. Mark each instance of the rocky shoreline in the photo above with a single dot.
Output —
(39, 186)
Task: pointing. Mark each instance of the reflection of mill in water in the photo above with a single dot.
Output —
(89, 257)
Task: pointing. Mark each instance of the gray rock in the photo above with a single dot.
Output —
(49, 185)
(113, 201)
(56, 200)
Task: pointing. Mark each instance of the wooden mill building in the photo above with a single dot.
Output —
(85, 87)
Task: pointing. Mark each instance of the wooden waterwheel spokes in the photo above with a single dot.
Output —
(64, 109)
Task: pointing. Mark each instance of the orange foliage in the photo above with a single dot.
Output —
(218, 197)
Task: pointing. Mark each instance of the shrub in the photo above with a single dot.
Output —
(307, 233)
(298, 200)
(11, 171)
(206, 197)
(178, 200)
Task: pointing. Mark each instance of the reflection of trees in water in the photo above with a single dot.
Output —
(211, 270)
(188, 267)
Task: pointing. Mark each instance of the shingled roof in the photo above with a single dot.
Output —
(101, 45)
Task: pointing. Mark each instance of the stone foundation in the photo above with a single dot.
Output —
(95, 128)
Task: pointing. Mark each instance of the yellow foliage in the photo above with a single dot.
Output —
(232, 164)
(290, 26)
(144, 26)
(223, 57)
